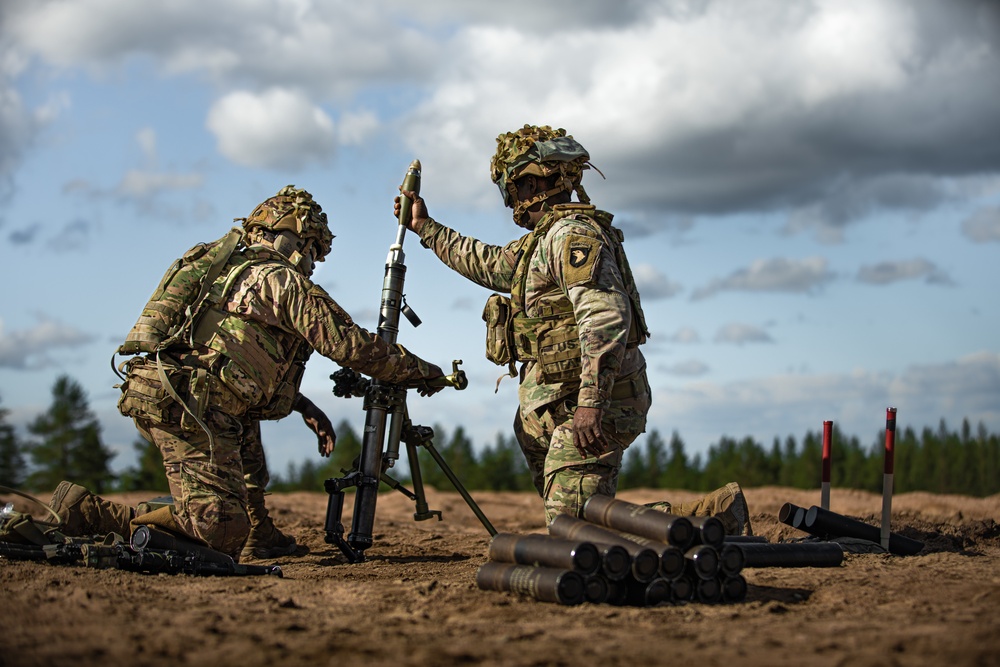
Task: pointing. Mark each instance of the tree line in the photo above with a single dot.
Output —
(65, 443)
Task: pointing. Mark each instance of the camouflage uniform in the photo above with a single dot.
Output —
(612, 375)
(243, 362)
(574, 318)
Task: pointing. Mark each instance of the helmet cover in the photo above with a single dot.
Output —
(294, 210)
(540, 151)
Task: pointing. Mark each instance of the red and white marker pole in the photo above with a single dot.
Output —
(890, 449)
(824, 493)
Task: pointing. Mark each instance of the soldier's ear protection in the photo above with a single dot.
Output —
(291, 245)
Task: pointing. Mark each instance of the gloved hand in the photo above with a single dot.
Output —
(318, 423)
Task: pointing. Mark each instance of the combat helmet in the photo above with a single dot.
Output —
(539, 151)
(293, 210)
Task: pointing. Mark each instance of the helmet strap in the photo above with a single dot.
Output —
(522, 207)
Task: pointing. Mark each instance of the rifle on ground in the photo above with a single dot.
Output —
(387, 421)
(137, 556)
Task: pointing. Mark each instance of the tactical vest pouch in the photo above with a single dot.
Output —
(280, 405)
(143, 395)
(179, 293)
(559, 355)
(499, 340)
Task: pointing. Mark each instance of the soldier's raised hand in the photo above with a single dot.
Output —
(418, 210)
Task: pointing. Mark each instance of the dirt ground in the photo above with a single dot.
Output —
(415, 601)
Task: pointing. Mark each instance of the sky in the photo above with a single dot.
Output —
(810, 191)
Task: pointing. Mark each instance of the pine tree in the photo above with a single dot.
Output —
(70, 447)
(678, 474)
(149, 474)
(12, 466)
(503, 467)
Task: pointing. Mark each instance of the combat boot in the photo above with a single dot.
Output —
(727, 503)
(85, 514)
(265, 540)
(734, 512)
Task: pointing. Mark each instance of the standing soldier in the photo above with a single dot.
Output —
(573, 319)
(226, 337)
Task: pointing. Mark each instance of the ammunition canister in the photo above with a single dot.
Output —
(745, 538)
(645, 562)
(703, 561)
(791, 515)
(647, 593)
(826, 524)
(545, 550)
(708, 591)
(734, 588)
(617, 592)
(596, 589)
(639, 519)
(792, 554)
(671, 557)
(672, 563)
(547, 584)
(681, 589)
(708, 530)
(731, 559)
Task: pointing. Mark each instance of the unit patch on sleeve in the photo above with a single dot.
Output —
(580, 260)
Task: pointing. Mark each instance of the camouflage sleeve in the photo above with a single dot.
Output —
(307, 309)
(491, 266)
(583, 265)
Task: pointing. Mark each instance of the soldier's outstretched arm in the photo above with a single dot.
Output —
(491, 266)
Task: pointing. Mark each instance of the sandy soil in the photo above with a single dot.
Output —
(415, 602)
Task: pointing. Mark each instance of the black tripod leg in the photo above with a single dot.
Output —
(446, 469)
(423, 511)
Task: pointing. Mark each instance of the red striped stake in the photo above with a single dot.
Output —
(890, 448)
(824, 494)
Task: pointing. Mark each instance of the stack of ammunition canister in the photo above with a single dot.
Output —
(826, 525)
(622, 554)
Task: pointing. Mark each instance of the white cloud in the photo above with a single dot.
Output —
(689, 108)
(30, 348)
(141, 185)
(690, 368)
(740, 334)
(772, 275)
(684, 335)
(652, 284)
(884, 273)
(278, 129)
(983, 226)
(355, 128)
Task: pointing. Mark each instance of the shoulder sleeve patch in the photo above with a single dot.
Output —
(581, 257)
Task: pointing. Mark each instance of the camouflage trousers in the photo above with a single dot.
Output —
(210, 482)
(563, 477)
